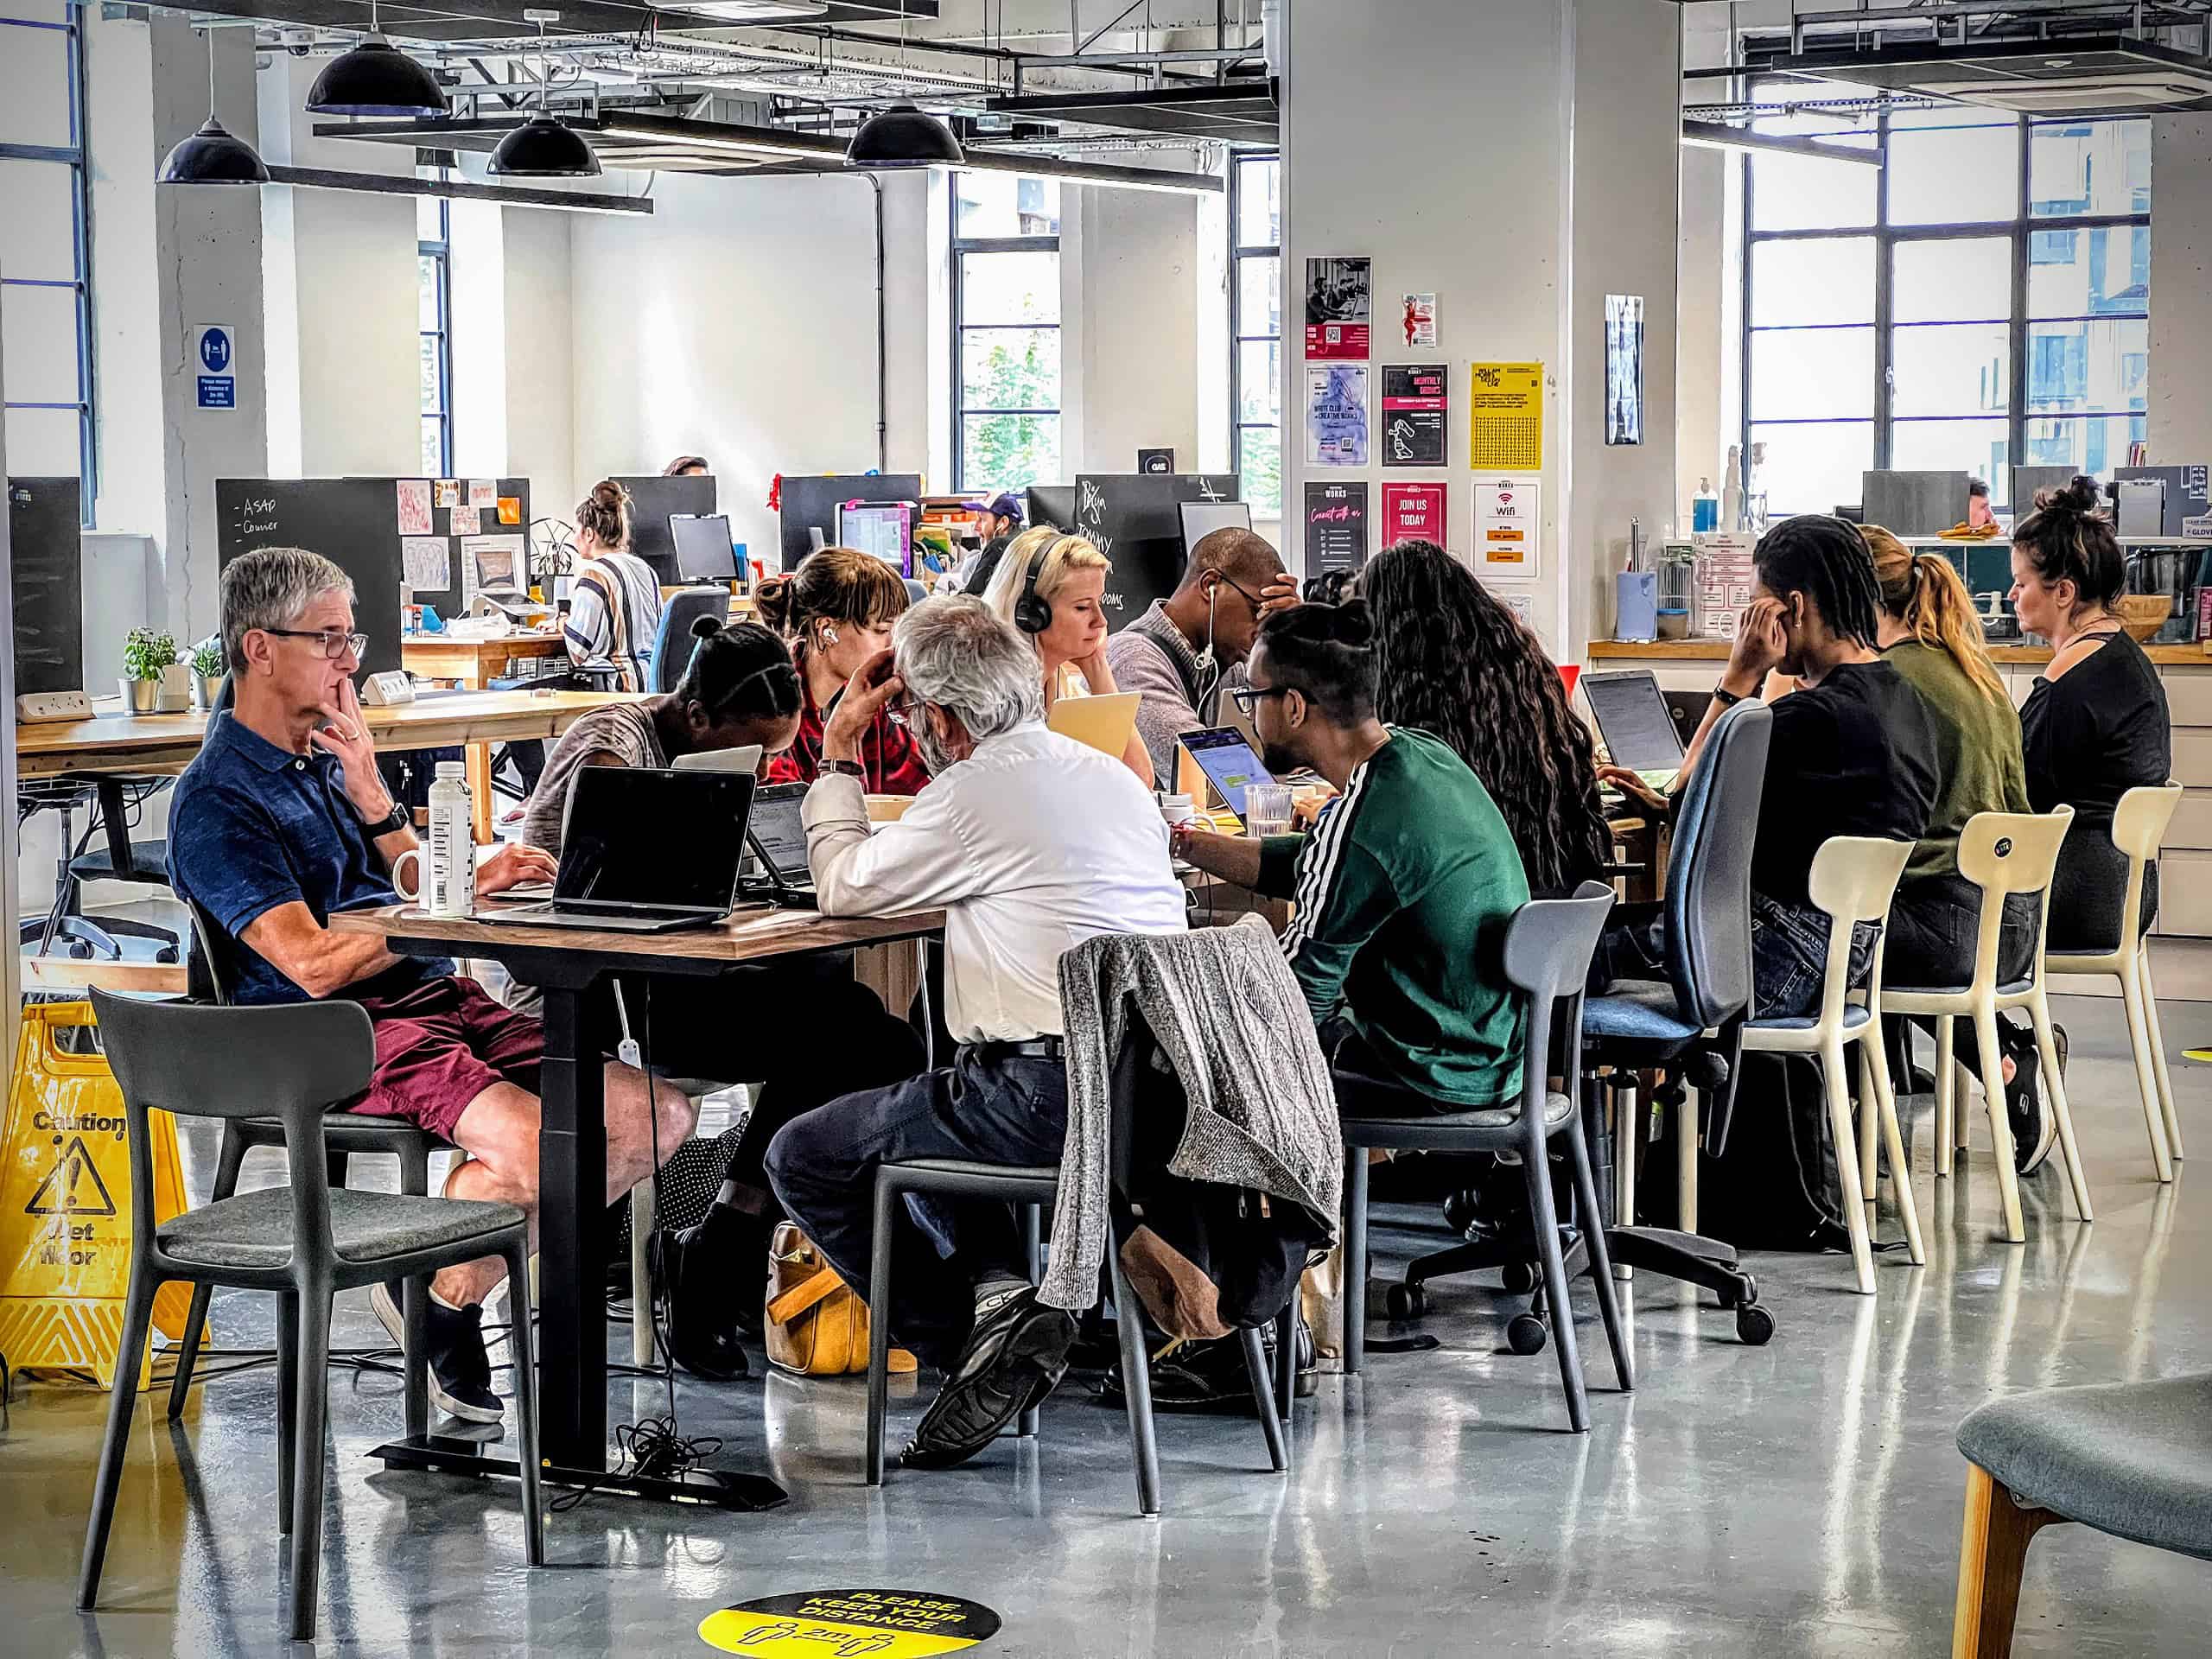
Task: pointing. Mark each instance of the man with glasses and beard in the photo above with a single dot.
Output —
(281, 822)
(1030, 842)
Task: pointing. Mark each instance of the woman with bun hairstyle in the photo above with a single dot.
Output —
(1452, 661)
(1051, 587)
(835, 610)
(2095, 723)
(614, 610)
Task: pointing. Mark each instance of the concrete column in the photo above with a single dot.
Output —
(2181, 288)
(1518, 160)
(1138, 309)
(206, 250)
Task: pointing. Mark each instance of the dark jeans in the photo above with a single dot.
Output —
(805, 1027)
(988, 1106)
(1790, 954)
(1935, 926)
(1364, 1083)
(2088, 887)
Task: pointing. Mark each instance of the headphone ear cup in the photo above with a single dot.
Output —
(1032, 615)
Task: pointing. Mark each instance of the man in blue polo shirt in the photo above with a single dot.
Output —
(283, 821)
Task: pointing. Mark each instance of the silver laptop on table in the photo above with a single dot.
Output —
(778, 836)
(1638, 728)
(644, 851)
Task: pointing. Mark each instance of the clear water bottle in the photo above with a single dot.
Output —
(449, 889)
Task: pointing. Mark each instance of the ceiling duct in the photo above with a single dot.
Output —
(2083, 75)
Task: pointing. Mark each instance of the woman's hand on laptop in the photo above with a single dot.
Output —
(1633, 786)
(871, 689)
(514, 866)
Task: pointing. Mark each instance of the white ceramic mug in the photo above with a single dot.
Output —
(1176, 808)
(420, 873)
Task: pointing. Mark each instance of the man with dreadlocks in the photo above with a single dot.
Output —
(1853, 753)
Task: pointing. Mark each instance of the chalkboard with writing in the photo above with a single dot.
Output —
(1136, 520)
(47, 553)
(357, 524)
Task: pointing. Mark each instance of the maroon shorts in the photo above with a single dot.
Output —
(442, 1044)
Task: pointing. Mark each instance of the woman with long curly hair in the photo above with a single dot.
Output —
(1453, 662)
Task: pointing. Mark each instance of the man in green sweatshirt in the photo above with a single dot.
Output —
(1404, 887)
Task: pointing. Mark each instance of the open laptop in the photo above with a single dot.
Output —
(1230, 763)
(1106, 723)
(704, 549)
(644, 851)
(1638, 727)
(1201, 518)
(779, 839)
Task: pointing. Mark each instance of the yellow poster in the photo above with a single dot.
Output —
(1507, 426)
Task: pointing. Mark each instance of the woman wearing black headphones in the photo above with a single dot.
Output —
(1051, 586)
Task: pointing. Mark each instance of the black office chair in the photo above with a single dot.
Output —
(113, 799)
(672, 641)
(1546, 956)
(1698, 1010)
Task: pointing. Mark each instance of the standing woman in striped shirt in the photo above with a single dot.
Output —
(615, 609)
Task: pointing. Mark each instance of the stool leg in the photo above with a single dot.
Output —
(1947, 1090)
(415, 1303)
(1876, 1093)
(2047, 1052)
(1355, 1259)
(2146, 1079)
(288, 1384)
(641, 1279)
(2000, 1122)
(879, 1325)
(1287, 1323)
(1541, 1211)
(1846, 1166)
(1032, 1244)
(227, 1161)
(518, 1345)
(1263, 1399)
(1993, 1550)
(122, 1406)
(309, 1450)
(1601, 1266)
(1136, 1386)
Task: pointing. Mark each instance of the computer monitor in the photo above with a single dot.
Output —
(1202, 518)
(882, 528)
(704, 549)
(653, 502)
(1634, 719)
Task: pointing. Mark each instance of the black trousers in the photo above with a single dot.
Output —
(1934, 925)
(987, 1107)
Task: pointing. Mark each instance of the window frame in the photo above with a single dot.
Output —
(441, 253)
(72, 156)
(1239, 251)
(2022, 228)
(962, 247)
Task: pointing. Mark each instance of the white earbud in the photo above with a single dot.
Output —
(1205, 657)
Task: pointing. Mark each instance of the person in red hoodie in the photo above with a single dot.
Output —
(837, 610)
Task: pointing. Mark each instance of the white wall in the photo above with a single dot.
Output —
(1700, 446)
(126, 279)
(539, 374)
(1129, 328)
(2181, 288)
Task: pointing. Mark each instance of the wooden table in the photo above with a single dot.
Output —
(473, 664)
(568, 963)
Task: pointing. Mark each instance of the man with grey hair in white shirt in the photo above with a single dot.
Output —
(1030, 842)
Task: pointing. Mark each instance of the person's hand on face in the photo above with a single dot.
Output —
(345, 732)
(1762, 642)
(872, 688)
(514, 866)
(1280, 594)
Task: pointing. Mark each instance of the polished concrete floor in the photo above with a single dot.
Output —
(1798, 1499)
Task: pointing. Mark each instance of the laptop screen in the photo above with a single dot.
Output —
(1633, 719)
(671, 840)
(1228, 762)
(776, 831)
(703, 552)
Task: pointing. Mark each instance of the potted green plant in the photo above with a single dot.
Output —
(147, 658)
(207, 672)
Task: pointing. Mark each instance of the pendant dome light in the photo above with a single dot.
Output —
(211, 156)
(900, 135)
(376, 78)
(541, 148)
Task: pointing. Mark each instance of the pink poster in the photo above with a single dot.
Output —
(1413, 513)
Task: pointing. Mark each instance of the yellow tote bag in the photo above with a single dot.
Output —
(65, 1204)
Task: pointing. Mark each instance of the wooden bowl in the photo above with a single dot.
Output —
(2144, 614)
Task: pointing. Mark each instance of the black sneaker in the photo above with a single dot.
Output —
(1013, 1359)
(2035, 1128)
(461, 1371)
(1211, 1375)
(701, 1283)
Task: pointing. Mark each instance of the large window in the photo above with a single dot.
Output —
(434, 320)
(1255, 328)
(1981, 301)
(1006, 335)
(46, 260)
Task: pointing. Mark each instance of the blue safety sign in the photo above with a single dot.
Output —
(218, 391)
(215, 345)
(215, 350)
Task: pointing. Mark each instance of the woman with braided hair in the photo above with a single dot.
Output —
(1853, 753)
(1453, 662)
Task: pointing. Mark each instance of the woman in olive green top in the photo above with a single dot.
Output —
(1929, 633)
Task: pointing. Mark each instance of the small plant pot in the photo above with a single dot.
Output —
(176, 688)
(204, 689)
(140, 697)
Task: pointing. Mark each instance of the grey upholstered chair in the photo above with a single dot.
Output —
(2133, 1459)
(306, 1242)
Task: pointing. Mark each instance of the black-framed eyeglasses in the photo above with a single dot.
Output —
(1224, 576)
(334, 643)
(1248, 696)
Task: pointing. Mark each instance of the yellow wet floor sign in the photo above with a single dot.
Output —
(850, 1624)
(64, 1203)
